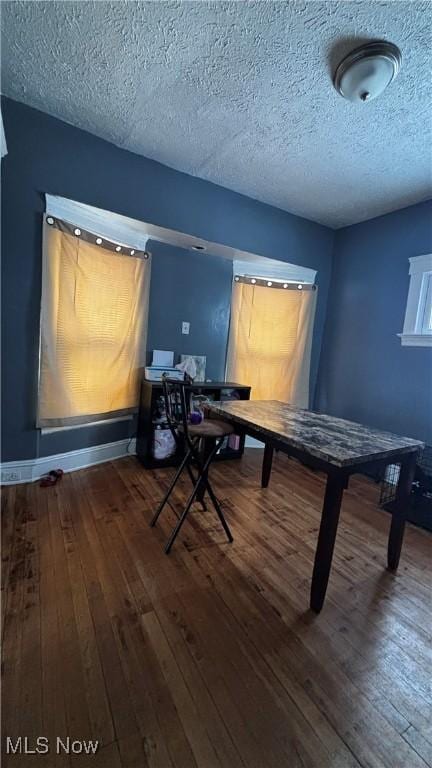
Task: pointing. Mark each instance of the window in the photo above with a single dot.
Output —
(93, 326)
(427, 314)
(270, 338)
(417, 330)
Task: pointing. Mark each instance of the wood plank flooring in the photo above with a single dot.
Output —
(209, 658)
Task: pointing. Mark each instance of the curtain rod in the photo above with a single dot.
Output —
(91, 237)
(266, 283)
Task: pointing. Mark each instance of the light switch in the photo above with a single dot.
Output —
(185, 328)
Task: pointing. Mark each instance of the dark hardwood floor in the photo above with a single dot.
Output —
(210, 657)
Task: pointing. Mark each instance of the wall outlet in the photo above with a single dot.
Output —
(185, 328)
(11, 476)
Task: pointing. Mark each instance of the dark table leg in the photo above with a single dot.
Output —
(326, 539)
(397, 527)
(266, 465)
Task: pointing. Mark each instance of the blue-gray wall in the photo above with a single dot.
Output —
(365, 373)
(195, 287)
(47, 155)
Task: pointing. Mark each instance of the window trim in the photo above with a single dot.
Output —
(55, 430)
(414, 334)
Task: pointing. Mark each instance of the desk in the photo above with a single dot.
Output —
(151, 392)
(337, 447)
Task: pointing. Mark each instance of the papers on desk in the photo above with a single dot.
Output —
(163, 358)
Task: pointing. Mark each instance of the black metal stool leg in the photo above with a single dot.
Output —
(202, 480)
(218, 509)
(172, 484)
(193, 481)
(183, 516)
(206, 483)
(203, 449)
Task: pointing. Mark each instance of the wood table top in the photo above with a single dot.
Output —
(336, 441)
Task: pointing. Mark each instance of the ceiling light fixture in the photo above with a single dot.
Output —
(367, 71)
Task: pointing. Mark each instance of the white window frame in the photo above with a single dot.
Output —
(418, 308)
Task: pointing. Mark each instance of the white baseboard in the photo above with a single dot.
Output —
(29, 470)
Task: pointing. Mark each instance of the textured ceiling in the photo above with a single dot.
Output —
(238, 93)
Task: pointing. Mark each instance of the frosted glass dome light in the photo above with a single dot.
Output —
(367, 71)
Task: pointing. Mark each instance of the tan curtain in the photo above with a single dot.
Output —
(93, 328)
(270, 341)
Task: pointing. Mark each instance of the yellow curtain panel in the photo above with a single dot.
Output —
(93, 327)
(270, 341)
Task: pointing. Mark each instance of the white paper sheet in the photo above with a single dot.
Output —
(163, 357)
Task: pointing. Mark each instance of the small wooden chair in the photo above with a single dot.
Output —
(188, 436)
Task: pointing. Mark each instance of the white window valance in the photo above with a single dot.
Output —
(95, 220)
(278, 270)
